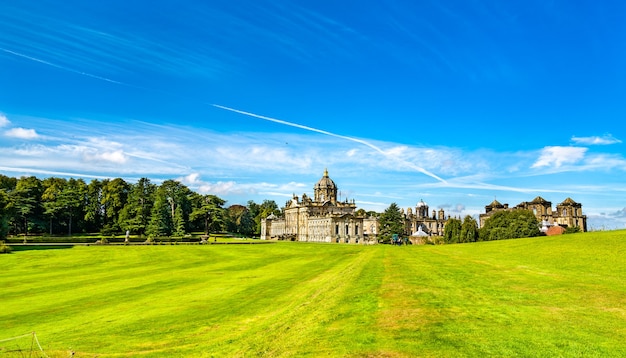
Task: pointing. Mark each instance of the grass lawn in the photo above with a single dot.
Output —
(550, 296)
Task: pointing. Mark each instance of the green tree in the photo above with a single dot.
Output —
(452, 231)
(469, 230)
(170, 213)
(113, 199)
(72, 199)
(177, 195)
(26, 201)
(179, 222)
(211, 212)
(160, 219)
(52, 188)
(262, 211)
(135, 216)
(7, 183)
(94, 209)
(4, 214)
(510, 224)
(240, 220)
(391, 222)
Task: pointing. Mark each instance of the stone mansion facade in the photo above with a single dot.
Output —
(423, 223)
(567, 214)
(321, 218)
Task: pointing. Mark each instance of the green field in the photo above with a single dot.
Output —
(550, 296)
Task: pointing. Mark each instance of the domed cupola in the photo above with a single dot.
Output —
(325, 189)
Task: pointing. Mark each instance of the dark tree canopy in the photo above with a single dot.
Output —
(391, 222)
(510, 224)
(114, 206)
(452, 231)
(469, 230)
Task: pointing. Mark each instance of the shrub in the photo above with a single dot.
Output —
(572, 230)
(4, 248)
(436, 240)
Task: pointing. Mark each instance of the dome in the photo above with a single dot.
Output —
(421, 204)
(325, 182)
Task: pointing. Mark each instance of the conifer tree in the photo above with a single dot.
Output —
(452, 231)
(391, 222)
(469, 230)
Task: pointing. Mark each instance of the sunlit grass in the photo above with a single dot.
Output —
(556, 296)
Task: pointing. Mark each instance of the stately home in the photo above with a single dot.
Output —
(422, 223)
(321, 218)
(567, 214)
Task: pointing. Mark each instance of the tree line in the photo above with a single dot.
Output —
(57, 206)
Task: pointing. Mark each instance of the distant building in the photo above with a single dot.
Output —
(320, 219)
(567, 214)
(423, 223)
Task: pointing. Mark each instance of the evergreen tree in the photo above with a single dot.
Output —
(4, 214)
(179, 223)
(391, 222)
(469, 230)
(52, 188)
(452, 231)
(94, 210)
(72, 199)
(26, 201)
(114, 197)
(7, 183)
(177, 195)
(211, 212)
(136, 214)
(160, 219)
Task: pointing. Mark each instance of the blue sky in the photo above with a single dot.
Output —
(455, 103)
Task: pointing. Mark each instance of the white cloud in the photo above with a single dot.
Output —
(116, 157)
(103, 143)
(4, 121)
(595, 140)
(557, 156)
(191, 179)
(21, 133)
(606, 161)
(231, 187)
(221, 188)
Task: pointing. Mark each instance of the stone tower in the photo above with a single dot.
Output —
(325, 190)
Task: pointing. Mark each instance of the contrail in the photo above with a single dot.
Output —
(61, 67)
(356, 140)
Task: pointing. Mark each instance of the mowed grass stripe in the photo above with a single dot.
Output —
(210, 290)
(460, 299)
(533, 297)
